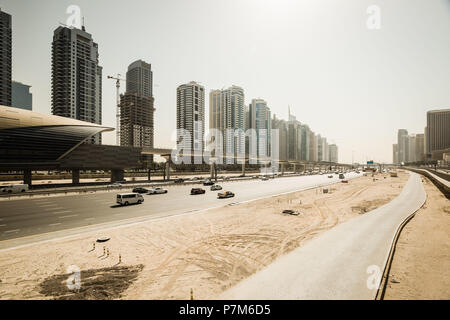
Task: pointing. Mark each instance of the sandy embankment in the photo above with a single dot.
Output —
(207, 251)
(421, 263)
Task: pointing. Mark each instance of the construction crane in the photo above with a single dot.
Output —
(118, 79)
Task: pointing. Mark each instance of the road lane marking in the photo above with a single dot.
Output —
(51, 209)
(71, 215)
(54, 224)
(89, 219)
(2, 225)
(10, 231)
(48, 205)
(59, 212)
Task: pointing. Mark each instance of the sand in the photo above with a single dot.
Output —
(421, 263)
(208, 251)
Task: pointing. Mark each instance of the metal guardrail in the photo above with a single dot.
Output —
(442, 184)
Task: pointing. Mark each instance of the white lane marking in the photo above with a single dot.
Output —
(89, 219)
(51, 209)
(71, 215)
(10, 231)
(54, 224)
(48, 205)
(59, 212)
(2, 225)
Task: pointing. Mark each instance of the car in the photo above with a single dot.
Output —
(140, 190)
(225, 194)
(114, 185)
(264, 178)
(216, 187)
(208, 182)
(330, 176)
(341, 176)
(344, 181)
(125, 199)
(14, 188)
(197, 191)
(157, 191)
(179, 180)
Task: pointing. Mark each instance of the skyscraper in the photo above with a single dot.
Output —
(402, 145)
(282, 127)
(21, 96)
(395, 153)
(76, 77)
(305, 142)
(259, 119)
(227, 114)
(420, 147)
(137, 107)
(5, 58)
(191, 117)
(437, 133)
(334, 157)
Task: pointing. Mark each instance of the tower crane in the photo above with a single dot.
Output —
(118, 79)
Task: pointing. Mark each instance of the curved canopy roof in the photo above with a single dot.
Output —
(30, 137)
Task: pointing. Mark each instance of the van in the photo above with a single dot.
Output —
(129, 198)
(14, 188)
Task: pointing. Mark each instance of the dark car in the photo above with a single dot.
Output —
(208, 183)
(197, 191)
(140, 190)
(179, 180)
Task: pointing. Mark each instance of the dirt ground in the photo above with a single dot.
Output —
(421, 263)
(208, 251)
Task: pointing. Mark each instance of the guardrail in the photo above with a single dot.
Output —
(442, 184)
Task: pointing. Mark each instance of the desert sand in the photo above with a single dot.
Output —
(421, 263)
(207, 251)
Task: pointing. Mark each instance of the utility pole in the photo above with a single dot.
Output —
(118, 79)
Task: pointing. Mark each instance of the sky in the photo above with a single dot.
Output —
(353, 84)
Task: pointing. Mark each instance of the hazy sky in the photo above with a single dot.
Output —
(353, 85)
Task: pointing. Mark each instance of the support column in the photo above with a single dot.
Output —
(75, 176)
(27, 177)
(282, 168)
(168, 167)
(149, 175)
(211, 170)
(295, 168)
(117, 175)
(243, 168)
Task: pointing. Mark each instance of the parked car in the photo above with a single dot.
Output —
(140, 190)
(208, 182)
(197, 191)
(225, 194)
(341, 176)
(264, 178)
(125, 199)
(216, 187)
(157, 191)
(179, 180)
(330, 176)
(14, 188)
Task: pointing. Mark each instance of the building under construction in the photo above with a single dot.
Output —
(137, 107)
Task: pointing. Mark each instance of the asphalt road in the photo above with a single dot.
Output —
(345, 262)
(29, 220)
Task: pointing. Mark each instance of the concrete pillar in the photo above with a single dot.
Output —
(27, 177)
(243, 168)
(168, 168)
(117, 175)
(295, 168)
(282, 168)
(211, 170)
(149, 175)
(75, 176)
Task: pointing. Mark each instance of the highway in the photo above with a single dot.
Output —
(343, 263)
(28, 220)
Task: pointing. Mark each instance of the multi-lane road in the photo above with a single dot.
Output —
(28, 220)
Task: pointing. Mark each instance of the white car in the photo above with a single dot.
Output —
(216, 187)
(114, 185)
(157, 191)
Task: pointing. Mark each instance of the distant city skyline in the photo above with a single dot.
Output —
(353, 85)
